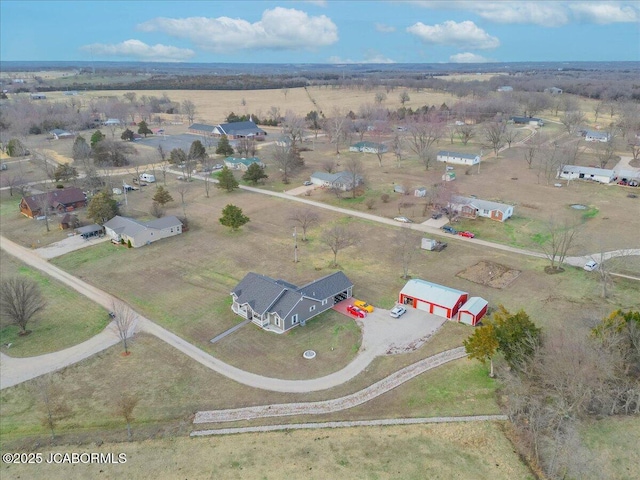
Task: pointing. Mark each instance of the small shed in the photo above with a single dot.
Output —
(473, 310)
(420, 192)
(449, 176)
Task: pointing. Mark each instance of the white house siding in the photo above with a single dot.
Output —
(454, 158)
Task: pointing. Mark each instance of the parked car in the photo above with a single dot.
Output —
(308, 183)
(218, 166)
(3, 166)
(402, 219)
(362, 305)
(398, 311)
(590, 266)
(466, 234)
(449, 229)
(436, 215)
(356, 312)
(633, 183)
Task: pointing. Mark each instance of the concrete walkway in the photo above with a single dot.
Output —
(230, 331)
(356, 423)
(329, 406)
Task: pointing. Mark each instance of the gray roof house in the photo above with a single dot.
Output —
(368, 147)
(340, 180)
(58, 134)
(571, 172)
(474, 207)
(201, 129)
(142, 233)
(239, 130)
(278, 306)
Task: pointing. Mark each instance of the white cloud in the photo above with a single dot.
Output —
(546, 14)
(141, 51)
(468, 57)
(463, 34)
(280, 28)
(603, 13)
(382, 28)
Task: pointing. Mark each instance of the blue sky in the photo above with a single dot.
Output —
(320, 31)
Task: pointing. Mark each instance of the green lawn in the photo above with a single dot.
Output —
(68, 318)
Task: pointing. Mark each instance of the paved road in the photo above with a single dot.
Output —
(356, 423)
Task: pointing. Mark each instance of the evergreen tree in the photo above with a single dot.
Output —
(65, 173)
(81, 149)
(102, 207)
(97, 137)
(224, 147)
(177, 156)
(233, 217)
(482, 345)
(143, 128)
(197, 151)
(254, 173)
(127, 135)
(162, 196)
(226, 180)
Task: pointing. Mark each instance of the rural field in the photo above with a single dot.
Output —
(464, 451)
(183, 284)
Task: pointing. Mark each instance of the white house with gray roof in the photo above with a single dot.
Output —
(470, 207)
(458, 158)
(236, 130)
(340, 180)
(278, 306)
(571, 172)
(142, 233)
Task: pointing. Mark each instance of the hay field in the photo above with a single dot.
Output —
(212, 106)
(462, 451)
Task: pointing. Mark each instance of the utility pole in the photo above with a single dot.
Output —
(295, 244)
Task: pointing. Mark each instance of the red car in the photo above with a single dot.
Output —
(466, 234)
(356, 312)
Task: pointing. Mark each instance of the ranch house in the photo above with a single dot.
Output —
(278, 306)
(341, 180)
(368, 147)
(237, 130)
(594, 136)
(241, 164)
(458, 158)
(201, 129)
(572, 172)
(60, 200)
(474, 207)
(536, 122)
(139, 233)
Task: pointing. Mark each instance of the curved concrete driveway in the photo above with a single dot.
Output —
(376, 341)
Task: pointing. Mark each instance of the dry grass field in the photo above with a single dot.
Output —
(67, 319)
(213, 106)
(461, 451)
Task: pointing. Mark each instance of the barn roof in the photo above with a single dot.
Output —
(474, 305)
(432, 292)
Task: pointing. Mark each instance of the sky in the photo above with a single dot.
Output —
(335, 32)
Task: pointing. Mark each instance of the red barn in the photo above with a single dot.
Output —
(472, 311)
(433, 298)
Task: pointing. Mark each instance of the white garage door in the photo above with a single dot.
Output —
(423, 306)
(440, 311)
(466, 317)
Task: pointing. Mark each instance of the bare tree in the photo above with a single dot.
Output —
(606, 151)
(404, 97)
(510, 134)
(572, 120)
(635, 150)
(424, 133)
(494, 135)
(53, 404)
(305, 218)
(293, 127)
(124, 406)
(287, 159)
(406, 244)
(355, 171)
(20, 300)
(337, 238)
(124, 319)
(465, 132)
(182, 190)
(336, 128)
(188, 108)
(329, 165)
(556, 242)
(396, 145)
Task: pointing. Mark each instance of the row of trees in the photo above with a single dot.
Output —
(556, 380)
